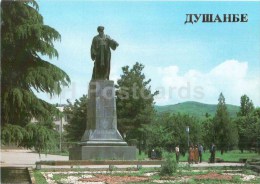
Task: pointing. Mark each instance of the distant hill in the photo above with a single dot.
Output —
(196, 109)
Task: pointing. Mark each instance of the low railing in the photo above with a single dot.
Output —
(110, 163)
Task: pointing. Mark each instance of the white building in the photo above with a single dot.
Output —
(60, 121)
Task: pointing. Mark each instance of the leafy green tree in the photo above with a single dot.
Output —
(134, 103)
(257, 112)
(24, 40)
(246, 106)
(159, 135)
(245, 122)
(169, 130)
(77, 119)
(243, 138)
(256, 132)
(253, 132)
(225, 132)
(207, 132)
(249, 130)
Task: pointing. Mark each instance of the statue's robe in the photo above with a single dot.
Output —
(101, 54)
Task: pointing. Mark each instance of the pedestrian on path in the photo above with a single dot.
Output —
(196, 154)
(191, 154)
(177, 152)
(212, 153)
(200, 152)
(153, 154)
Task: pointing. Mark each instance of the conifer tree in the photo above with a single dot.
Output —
(25, 40)
(134, 102)
(225, 133)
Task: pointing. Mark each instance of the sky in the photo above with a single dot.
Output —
(185, 62)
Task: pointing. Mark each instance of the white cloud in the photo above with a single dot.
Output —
(229, 77)
(230, 69)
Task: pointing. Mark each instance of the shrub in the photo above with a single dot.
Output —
(170, 165)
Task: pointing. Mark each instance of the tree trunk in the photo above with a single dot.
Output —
(222, 151)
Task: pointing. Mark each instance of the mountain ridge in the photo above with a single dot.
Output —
(194, 108)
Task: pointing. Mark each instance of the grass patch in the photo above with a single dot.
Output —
(57, 152)
(236, 155)
(63, 154)
(149, 169)
(231, 156)
(39, 178)
(125, 174)
(143, 156)
(59, 177)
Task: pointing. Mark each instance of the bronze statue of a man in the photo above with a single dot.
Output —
(101, 54)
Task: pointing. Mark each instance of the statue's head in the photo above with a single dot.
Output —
(100, 29)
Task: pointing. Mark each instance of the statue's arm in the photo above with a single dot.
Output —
(112, 43)
(93, 49)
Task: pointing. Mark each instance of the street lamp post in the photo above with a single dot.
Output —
(60, 116)
(188, 130)
(60, 131)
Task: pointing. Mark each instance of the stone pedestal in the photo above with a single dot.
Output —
(101, 139)
(103, 153)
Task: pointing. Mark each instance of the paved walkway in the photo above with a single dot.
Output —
(27, 158)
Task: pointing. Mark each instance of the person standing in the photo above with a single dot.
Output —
(196, 154)
(177, 152)
(212, 153)
(200, 152)
(153, 154)
(191, 154)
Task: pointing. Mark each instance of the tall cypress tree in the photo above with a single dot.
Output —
(225, 133)
(25, 40)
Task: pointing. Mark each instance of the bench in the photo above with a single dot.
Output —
(110, 163)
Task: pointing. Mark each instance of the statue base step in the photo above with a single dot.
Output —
(102, 153)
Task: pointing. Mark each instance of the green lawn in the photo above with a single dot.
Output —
(39, 178)
(232, 156)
